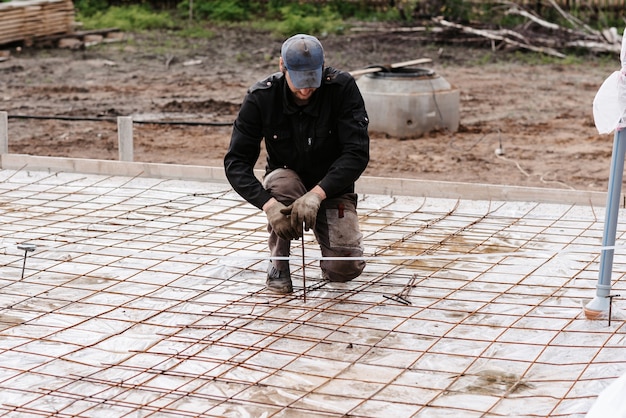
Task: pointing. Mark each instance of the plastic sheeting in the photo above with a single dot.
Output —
(146, 297)
(609, 104)
(611, 402)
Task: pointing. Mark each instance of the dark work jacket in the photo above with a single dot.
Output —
(326, 141)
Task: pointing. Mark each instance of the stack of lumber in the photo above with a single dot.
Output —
(26, 20)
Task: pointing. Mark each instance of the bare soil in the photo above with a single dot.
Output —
(540, 115)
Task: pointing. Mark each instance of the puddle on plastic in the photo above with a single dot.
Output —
(423, 257)
(497, 382)
(8, 321)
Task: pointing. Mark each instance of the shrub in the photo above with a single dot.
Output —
(127, 18)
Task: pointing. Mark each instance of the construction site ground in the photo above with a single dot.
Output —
(126, 293)
(540, 114)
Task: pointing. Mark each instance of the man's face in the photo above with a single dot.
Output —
(302, 95)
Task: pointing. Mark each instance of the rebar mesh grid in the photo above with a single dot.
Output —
(145, 297)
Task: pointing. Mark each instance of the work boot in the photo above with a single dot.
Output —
(278, 281)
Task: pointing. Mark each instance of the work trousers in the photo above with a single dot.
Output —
(336, 228)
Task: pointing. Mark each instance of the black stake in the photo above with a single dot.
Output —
(303, 269)
(611, 305)
(27, 248)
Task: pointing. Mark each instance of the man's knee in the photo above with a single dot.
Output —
(342, 270)
(284, 184)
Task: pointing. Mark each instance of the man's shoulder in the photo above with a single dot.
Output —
(267, 83)
(335, 76)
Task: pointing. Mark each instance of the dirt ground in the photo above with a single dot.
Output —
(540, 115)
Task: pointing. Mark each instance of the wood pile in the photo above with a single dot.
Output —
(27, 20)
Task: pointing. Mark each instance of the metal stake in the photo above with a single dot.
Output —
(303, 269)
(611, 305)
(27, 248)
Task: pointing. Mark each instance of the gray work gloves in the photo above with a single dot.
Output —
(277, 216)
(287, 221)
(304, 210)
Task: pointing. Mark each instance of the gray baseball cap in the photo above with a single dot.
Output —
(303, 57)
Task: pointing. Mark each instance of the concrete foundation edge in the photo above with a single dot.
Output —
(365, 185)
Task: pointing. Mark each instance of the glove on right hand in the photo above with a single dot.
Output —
(304, 210)
(277, 216)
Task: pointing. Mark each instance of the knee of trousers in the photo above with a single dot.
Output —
(284, 184)
(342, 270)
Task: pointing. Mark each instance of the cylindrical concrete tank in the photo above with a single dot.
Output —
(408, 102)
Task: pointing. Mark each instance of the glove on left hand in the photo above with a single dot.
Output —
(277, 216)
(304, 209)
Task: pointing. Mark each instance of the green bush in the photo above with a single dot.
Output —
(285, 17)
(127, 18)
(217, 10)
(88, 8)
(308, 18)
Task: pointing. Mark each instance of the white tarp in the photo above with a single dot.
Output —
(609, 105)
(611, 402)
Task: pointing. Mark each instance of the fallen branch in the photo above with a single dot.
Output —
(535, 34)
(515, 10)
(594, 46)
(490, 35)
(574, 20)
(524, 13)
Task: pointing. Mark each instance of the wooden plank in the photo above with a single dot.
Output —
(26, 20)
(418, 61)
